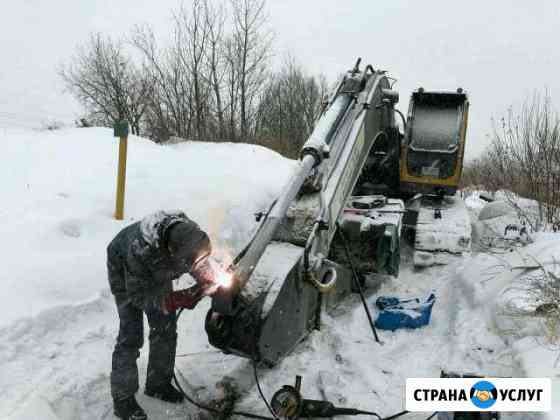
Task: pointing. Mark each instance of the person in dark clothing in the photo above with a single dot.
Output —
(142, 261)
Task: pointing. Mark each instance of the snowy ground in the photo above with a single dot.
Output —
(58, 321)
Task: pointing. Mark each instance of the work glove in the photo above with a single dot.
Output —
(186, 298)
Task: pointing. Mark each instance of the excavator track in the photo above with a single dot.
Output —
(442, 231)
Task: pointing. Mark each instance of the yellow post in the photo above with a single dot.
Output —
(121, 130)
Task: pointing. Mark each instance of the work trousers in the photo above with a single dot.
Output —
(163, 343)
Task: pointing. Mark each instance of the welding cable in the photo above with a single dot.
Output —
(357, 280)
(402, 413)
(349, 411)
(254, 360)
(396, 416)
(261, 391)
(212, 409)
(215, 410)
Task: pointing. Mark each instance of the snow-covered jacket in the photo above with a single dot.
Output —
(139, 263)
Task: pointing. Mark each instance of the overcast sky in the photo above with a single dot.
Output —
(499, 51)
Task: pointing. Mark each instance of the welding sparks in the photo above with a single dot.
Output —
(224, 278)
(211, 276)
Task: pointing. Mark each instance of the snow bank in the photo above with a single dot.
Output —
(495, 209)
(59, 191)
(57, 318)
(503, 287)
(474, 202)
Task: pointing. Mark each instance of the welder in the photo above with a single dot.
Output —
(142, 262)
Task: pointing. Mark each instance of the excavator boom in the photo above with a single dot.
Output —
(338, 219)
(285, 277)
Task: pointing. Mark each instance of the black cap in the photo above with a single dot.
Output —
(187, 243)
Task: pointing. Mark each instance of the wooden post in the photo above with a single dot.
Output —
(121, 131)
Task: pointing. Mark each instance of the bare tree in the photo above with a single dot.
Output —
(208, 83)
(248, 55)
(288, 108)
(232, 87)
(216, 64)
(192, 36)
(170, 111)
(107, 82)
(524, 160)
(189, 73)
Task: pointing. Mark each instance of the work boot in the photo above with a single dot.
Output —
(165, 392)
(128, 409)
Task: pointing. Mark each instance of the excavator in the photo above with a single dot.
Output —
(363, 184)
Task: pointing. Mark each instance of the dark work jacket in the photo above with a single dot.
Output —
(140, 267)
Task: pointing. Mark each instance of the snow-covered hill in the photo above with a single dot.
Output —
(58, 321)
(58, 195)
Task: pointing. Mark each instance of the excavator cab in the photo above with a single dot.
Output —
(433, 148)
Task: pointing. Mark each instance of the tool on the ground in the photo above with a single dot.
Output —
(354, 176)
(288, 404)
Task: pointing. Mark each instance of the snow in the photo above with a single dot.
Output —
(150, 224)
(495, 209)
(441, 240)
(58, 320)
(474, 202)
(273, 267)
(34, 408)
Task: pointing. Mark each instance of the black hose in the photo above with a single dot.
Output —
(215, 410)
(402, 118)
(357, 281)
(261, 393)
(356, 412)
(396, 416)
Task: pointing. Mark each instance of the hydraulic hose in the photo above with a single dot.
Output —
(357, 281)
